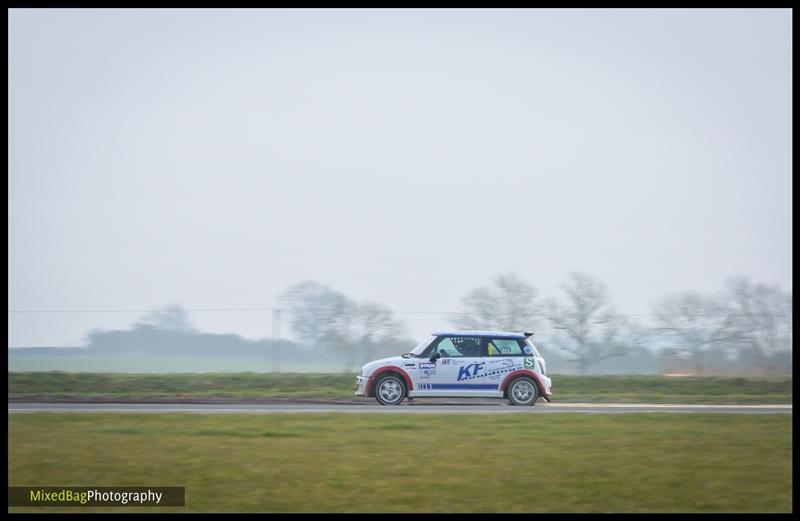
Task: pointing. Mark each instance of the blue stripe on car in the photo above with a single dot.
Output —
(463, 386)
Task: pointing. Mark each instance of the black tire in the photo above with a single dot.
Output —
(523, 391)
(390, 389)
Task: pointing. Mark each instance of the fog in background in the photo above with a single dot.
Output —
(217, 158)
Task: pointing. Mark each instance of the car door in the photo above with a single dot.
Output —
(503, 356)
(458, 371)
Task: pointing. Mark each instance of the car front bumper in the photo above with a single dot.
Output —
(361, 385)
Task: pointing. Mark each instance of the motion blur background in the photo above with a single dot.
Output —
(247, 205)
(306, 190)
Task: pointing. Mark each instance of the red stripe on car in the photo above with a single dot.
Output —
(385, 369)
(524, 372)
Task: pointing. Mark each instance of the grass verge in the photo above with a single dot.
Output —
(390, 463)
(252, 386)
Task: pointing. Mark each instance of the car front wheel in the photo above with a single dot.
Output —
(390, 390)
(523, 391)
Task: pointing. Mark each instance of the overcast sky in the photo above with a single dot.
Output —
(214, 158)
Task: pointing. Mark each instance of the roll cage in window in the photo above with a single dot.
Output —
(507, 347)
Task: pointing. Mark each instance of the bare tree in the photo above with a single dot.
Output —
(698, 325)
(511, 305)
(762, 319)
(375, 325)
(324, 317)
(320, 316)
(585, 326)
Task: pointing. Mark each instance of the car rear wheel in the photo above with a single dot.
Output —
(523, 391)
(390, 390)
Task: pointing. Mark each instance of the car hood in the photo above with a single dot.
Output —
(370, 367)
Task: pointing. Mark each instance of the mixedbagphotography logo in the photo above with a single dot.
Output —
(96, 496)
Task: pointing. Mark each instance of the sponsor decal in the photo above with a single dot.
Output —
(529, 363)
(445, 361)
(469, 371)
(504, 363)
(427, 370)
(527, 350)
(499, 372)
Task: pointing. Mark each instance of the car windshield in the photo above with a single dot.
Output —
(422, 345)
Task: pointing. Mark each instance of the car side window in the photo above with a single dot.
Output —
(503, 347)
(453, 347)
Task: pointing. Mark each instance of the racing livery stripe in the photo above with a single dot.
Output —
(493, 373)
(460, 386)
(431, 387)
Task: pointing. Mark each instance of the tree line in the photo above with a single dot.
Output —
(746, 321)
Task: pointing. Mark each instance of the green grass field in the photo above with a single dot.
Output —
(654, 389)
(388, 463)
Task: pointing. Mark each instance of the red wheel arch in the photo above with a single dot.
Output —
(369, 391)
(524, 372)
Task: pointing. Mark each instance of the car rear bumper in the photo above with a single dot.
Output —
(548, 386)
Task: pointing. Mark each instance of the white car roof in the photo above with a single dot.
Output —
(493, 334)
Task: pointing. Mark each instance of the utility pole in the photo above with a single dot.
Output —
(276, 335)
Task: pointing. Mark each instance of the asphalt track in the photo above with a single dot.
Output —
(416, 408)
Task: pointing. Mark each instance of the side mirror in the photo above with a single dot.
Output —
(435, 357)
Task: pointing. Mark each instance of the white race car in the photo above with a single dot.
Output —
(483, 364)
